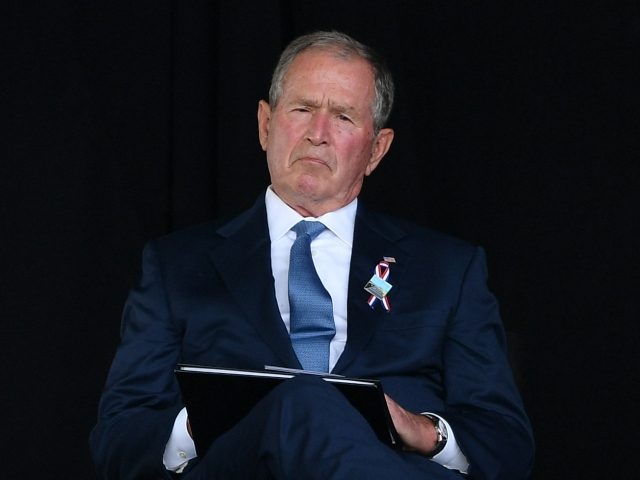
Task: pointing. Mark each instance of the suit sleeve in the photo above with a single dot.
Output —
(141, 397)
(483, 405)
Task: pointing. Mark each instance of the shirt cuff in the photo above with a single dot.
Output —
(180, 447)
(451, 456)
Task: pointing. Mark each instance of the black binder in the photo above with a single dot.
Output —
(217, 398)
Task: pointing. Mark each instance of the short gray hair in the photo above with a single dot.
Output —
(344, 47)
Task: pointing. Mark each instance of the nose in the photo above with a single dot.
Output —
(318, 131)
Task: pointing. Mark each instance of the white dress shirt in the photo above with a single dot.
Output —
(331, 253)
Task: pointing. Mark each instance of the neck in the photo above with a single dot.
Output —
(308, 208)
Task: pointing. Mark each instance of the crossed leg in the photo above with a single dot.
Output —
(306, 429)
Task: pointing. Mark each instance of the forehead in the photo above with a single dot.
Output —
(326, 72)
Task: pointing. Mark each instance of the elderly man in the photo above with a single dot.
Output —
(238, 295)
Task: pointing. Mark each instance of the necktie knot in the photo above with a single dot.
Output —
(311, 228)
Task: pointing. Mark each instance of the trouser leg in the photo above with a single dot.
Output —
(306, 429)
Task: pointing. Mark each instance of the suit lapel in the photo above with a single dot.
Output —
(374, 238)
(244, 263)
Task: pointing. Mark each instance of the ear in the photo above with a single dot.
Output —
(264, 115)
(381, 146)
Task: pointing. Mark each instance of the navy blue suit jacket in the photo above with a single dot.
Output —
(206, 296)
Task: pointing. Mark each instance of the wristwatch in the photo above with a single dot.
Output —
(441, 431)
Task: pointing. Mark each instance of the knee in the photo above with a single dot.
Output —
(308, 393)
(309, 406)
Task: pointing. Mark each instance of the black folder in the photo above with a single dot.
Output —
(217, 398)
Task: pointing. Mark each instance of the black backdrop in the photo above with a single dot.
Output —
(516, 128)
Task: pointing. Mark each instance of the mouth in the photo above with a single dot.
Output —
(312, 160)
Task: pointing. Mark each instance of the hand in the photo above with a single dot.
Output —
(416, 431)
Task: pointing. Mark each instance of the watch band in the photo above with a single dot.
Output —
(441, 431)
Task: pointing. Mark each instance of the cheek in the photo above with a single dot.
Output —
(276, 151)
(283, 140)
(354, 152)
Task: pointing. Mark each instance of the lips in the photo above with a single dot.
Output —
(312, 159)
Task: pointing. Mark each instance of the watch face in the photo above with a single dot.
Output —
(443, 430)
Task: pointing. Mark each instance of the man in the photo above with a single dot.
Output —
(224, 295)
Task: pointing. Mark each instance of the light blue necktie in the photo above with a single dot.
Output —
(311, 321)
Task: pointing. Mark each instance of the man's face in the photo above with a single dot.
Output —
(319, 139)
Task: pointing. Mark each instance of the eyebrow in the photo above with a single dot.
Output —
(333, 107)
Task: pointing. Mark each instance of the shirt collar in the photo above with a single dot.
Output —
(281, 217)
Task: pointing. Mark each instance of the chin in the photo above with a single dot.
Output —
(309, 186)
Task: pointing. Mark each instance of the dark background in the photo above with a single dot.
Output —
(516, 128)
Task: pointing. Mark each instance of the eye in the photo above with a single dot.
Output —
(344, 118)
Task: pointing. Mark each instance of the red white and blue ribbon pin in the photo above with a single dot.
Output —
(378, 286)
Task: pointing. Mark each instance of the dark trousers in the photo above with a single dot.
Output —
(305, 429)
